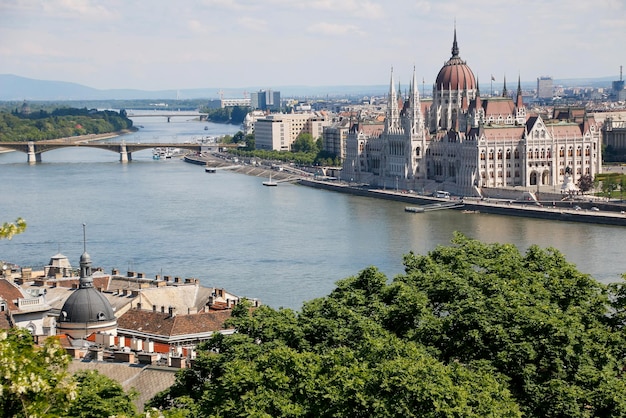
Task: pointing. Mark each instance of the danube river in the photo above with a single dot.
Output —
(284, 244)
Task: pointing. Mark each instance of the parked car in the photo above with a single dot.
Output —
(595, 209)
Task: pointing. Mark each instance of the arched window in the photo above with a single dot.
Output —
(516, 154)
(499, 154)
(562, 152)
(508, 154)
(482, 155)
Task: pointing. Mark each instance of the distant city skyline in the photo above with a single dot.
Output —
(162, 45)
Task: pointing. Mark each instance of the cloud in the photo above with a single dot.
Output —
(334, 29)
(199, 28)
(79, 8)
(253, 24)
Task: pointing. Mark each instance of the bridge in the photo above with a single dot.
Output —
(165, 114)
(35, 149)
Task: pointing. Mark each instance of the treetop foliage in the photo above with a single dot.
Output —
(34, 382)
(471, 329)
(8, 229)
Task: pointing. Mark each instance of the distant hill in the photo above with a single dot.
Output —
(16, 88)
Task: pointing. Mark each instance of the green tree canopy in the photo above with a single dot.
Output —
(304, 143)
(470, 329)
(99, 396)
(33, 380)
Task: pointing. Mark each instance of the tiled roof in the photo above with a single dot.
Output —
(565, 130)
(503, 133)
(495, 106)
(165, 325)
(11, 293)
(147, 380)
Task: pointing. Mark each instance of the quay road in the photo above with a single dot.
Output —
(125, 149)
(608, 214)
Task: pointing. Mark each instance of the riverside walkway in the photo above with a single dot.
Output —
(607, 214)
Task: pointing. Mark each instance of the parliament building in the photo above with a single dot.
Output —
(467, 144)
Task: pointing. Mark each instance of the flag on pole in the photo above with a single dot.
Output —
(493, 78)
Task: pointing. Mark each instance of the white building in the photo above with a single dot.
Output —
(278, 131)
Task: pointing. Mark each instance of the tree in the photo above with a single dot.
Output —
(100, 396)
(585, 183)
(33, 380)
(304, 143)
(470, 330)
(8, 230)
(250, 142)
(532, 317)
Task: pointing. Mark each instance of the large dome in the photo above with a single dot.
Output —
(455, 74)
(85, 305)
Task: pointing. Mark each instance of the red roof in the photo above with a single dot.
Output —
(165, 325)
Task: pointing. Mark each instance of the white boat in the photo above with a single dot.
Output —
(270, 182)
(164, 152)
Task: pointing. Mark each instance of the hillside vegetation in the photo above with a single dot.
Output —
(60, 123)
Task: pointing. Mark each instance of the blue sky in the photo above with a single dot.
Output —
(156, 44)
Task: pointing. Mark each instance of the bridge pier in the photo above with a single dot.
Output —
(125, 156)
(33, 157)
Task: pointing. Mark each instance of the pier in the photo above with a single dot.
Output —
(433, 206)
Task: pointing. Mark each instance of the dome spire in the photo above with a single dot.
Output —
(85, 265)
(455, 45)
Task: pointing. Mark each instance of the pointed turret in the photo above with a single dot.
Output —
(505, 92)
(519, 102)
(393, 113)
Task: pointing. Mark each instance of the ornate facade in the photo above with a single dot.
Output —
(461, 142)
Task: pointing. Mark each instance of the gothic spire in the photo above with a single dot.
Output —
(455, 45)
(505, 92)
(393, 112)
(519, 103)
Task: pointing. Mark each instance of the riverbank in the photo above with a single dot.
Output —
(262, 171)
(569, 211)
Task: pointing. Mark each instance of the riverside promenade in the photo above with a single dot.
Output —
(607, 214)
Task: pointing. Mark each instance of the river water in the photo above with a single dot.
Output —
(284, 244)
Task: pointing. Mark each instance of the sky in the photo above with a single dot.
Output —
(186, 44)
